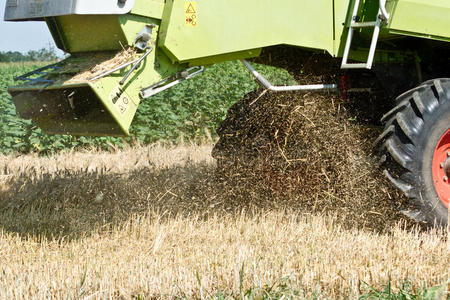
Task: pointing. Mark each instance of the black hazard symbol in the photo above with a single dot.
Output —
(122, 109)
(190, 9)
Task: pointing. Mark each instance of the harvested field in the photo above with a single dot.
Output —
(163, 223)
(294, 206)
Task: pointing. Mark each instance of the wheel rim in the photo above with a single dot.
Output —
(441, 168)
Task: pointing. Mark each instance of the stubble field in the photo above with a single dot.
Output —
(308, 215)
(161, 223)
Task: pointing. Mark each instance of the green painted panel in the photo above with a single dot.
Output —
(133, 24)
(225, 57)
(424, 18)
(149, 8)
(342, 12)
(235, 25)
(81, 33)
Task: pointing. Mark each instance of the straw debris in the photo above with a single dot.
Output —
(310, 151)
(83, 66)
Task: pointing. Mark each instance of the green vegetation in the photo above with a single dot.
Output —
(44, 54)
(405, 291)
(283, 291)
(189, 112)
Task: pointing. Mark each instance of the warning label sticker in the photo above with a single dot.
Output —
(122, 105)
(119, 99)
(190, 13)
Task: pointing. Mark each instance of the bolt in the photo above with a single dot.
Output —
(441, 165)
(448, 154)
(184, 74)
(145, 37)
(445, 178)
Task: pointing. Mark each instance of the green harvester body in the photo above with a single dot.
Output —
(193, 33)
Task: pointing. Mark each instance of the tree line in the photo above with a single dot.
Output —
(43, 54)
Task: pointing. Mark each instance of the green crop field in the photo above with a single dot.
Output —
(189, 112)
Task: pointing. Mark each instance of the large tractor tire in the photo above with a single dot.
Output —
(416, 147)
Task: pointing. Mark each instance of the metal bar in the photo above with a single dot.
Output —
(38, 71)
(169, 82)
(354, 66)
(363, 24)
(135, 65)
(267, 85)
(373, 45)
(350, 36)
(347, 48)
(114, 70)
(383, 11)
(153, 90)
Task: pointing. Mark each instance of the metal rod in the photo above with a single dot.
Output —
(363, 24)
(37, 71)
(157, 88)
(267, 85)
(170, 81)
(135, 65)
(354, 66)
(350, 36)
(373, 45)
(383, 11)
(114, 70)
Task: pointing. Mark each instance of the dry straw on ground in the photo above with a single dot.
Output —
(172, 227)
(298, 202)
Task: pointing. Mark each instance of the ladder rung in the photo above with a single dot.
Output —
(363, 24)
(354, 66)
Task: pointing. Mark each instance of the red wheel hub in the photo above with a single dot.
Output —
(441, 168)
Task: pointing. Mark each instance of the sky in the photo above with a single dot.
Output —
(23, 36)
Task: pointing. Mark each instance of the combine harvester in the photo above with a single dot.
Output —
(97, 90)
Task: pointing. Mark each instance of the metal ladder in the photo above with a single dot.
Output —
(382, 16)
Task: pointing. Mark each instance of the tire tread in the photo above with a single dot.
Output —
(403, 126)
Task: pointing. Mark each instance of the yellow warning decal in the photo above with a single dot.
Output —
(190, 13)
